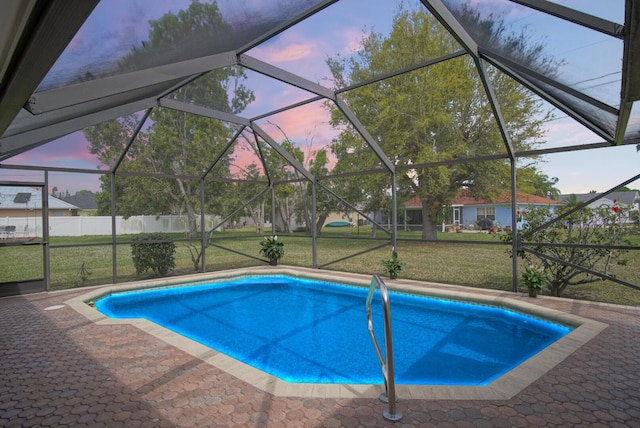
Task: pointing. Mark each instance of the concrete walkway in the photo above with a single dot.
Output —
(57, 368)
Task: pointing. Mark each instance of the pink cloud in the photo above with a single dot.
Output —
(70, 151)
(293, 52)
(303, 125)
(298, 52)
(306, 126)
(351, 38)
(243, 155)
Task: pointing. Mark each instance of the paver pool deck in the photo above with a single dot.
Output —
(60, 368)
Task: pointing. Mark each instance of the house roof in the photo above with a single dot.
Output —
(85, 200)
(465, 198)
(626, 198)
(20, 197)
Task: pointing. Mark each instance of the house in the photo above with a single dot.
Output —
(21, 201)
(469, 212)
(85, 200)
(629, 199)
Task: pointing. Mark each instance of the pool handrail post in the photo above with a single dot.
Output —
(386, 364)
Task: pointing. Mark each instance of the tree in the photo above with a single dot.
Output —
(325, 202)
(584, 239)
(570, 202)
(243, 193)
(530, 180)
(176, 143)
(288, 192)
(434, 114)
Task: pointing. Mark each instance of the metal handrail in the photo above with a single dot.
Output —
(389, 396)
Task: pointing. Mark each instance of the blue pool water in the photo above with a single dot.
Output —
(307, 331)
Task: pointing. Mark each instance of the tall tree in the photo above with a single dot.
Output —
(437, 113)
(176, 143)
(530, 180)
(287, 191)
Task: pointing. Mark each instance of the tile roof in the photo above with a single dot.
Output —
(465, 198)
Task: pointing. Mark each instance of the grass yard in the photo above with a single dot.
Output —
(483, 263)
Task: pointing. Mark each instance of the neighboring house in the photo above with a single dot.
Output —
(85, 200)
(584, 197)
(469, 212)
(629, 199)
(20, 201)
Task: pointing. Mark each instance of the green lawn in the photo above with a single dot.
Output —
(483, 263)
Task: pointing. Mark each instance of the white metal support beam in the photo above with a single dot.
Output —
(442, 14)
(525, 71)
(350, 115)
(100, 88)
(576, 115)
(631, 56)
(33, 138)
(282, 152)
(495, 106)
(285, 76)
(630, 68)
(26, 122)
(203, 111)
(593, 22)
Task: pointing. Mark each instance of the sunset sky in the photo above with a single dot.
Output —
(337, 30)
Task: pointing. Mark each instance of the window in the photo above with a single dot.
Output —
(414, 217)
(485, 217)
(486, 212)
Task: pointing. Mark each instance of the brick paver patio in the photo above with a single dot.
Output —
(60, 369)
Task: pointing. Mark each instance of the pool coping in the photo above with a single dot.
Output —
(502, 388)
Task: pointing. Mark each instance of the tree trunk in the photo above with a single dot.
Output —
(307, 214)
(191, 212)
(260, 218)
(286, 219)
(257, 215)
(429, 228)
(288, 209)
(320, 222)
(193, 222)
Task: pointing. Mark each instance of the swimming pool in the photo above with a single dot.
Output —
(504, 387)
(308, 331)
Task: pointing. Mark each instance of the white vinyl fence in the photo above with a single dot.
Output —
(101, 225)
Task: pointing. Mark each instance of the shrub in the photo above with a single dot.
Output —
(393, 266)
(583, 248)
(272, 249)
(153, 251)
(535, 279)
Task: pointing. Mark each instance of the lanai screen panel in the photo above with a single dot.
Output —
(121, 36)
(554, 47)
(557, 55)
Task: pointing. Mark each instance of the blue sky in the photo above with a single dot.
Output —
(303, 49)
